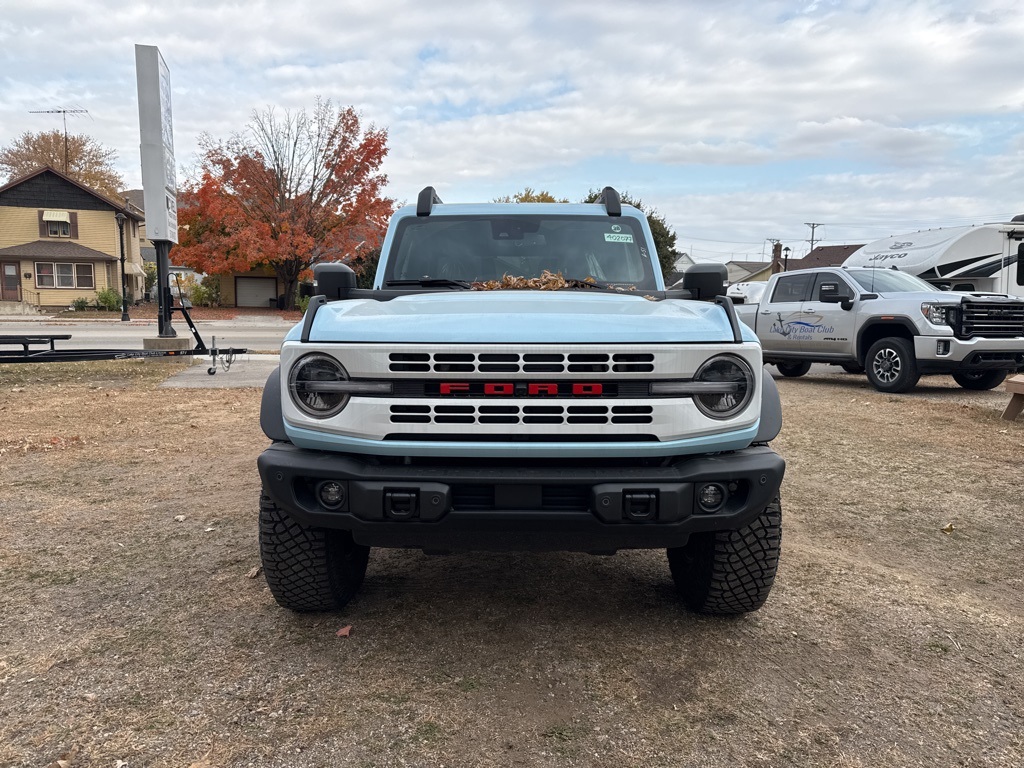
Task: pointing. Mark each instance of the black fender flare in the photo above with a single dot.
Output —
(771, 409)
(904, 323)
(271, 415)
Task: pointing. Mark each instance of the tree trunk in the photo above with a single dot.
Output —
(288, 274)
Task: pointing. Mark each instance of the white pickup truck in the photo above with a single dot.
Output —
(890, 325)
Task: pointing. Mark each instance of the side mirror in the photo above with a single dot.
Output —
(705, 281)
(834, 293)
(333, 280)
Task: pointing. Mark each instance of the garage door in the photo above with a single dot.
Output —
(255, 291)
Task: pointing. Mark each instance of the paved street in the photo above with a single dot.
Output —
(257, 333)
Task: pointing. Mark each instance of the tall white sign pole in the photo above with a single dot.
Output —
(160, 188)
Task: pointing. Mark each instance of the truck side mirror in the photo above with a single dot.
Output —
(705, 281)
(333, 280)
(834, 293)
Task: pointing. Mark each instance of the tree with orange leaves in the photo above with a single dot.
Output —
(289, 193)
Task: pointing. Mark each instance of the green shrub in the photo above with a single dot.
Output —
(80, 304)
(302, 304)
(108, 299)
(207, 293)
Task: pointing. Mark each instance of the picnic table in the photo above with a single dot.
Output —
(1015, 386)
(33, 340)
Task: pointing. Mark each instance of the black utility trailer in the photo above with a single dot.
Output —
(50, 354)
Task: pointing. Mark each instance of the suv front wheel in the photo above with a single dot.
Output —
(729, 572)
(308, 569)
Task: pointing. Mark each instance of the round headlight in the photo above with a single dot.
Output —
(313, 384)
(734, 386)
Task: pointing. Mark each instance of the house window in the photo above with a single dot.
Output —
(58, 223)
(58, 228)
(51, 274)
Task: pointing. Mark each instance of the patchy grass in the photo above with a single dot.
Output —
(131, 631)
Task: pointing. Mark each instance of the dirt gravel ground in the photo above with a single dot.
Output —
(132, 633)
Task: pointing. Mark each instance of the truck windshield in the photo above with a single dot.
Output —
(610, 251)
(890, 281)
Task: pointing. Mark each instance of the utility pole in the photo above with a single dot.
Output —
(64, 113)
(813, 227)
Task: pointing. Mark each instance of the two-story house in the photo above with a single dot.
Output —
(60, 241)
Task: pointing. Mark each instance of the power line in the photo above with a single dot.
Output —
(63, 112)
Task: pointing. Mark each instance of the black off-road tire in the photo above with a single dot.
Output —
(728, 573)
(308, 569)
(792, 370)
(979, 380)
(891, 366)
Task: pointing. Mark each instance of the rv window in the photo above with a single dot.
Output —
(1020, 264)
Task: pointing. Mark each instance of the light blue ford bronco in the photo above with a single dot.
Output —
(519, 378)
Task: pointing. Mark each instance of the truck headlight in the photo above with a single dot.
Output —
(936, 314)
(727, 386)
(317, 385)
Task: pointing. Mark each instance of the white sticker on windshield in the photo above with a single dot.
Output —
(613, 238)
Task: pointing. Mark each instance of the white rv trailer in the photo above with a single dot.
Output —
(980, 259)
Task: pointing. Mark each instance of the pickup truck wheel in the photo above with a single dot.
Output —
(308, 569)
(979, 379)
(891, 365)
(729, 572)
(793, 369)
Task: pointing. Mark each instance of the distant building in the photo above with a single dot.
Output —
(823, 256)
(682, 263)
(748, 271)
(60, 242)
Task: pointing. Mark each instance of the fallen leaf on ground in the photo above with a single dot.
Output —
(949, 528)
(66, 759)
(179, 518)
(345, 631)
(252, 574)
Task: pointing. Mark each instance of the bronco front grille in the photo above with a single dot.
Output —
(514, 362)
(993, 320)
(521, 414)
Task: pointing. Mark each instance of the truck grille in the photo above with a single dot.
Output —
(513, 362)
(991, 320)
(526, 414)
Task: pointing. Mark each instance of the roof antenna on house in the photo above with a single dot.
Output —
(63, 112)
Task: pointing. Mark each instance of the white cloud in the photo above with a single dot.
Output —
(740, 121)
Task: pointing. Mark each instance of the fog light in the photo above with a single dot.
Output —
(331, 494)
(710, 497)
(942, 347)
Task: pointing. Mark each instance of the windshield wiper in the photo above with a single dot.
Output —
(430, 282)
(575, 282)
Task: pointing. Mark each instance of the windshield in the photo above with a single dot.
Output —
(889, 281)
(478, 248)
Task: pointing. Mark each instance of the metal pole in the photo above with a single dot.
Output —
(120, 218)
(163, 289)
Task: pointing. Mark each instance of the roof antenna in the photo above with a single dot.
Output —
(64, 112)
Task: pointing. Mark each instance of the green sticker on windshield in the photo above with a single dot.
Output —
(611, 237)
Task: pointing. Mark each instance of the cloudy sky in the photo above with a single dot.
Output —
(738, 121)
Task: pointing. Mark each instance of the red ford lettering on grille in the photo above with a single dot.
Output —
(531, 389)
(542, 389)
(499, 389)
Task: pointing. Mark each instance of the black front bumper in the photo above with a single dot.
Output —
(516, 506)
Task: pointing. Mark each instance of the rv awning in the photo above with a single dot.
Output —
(57, 216)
